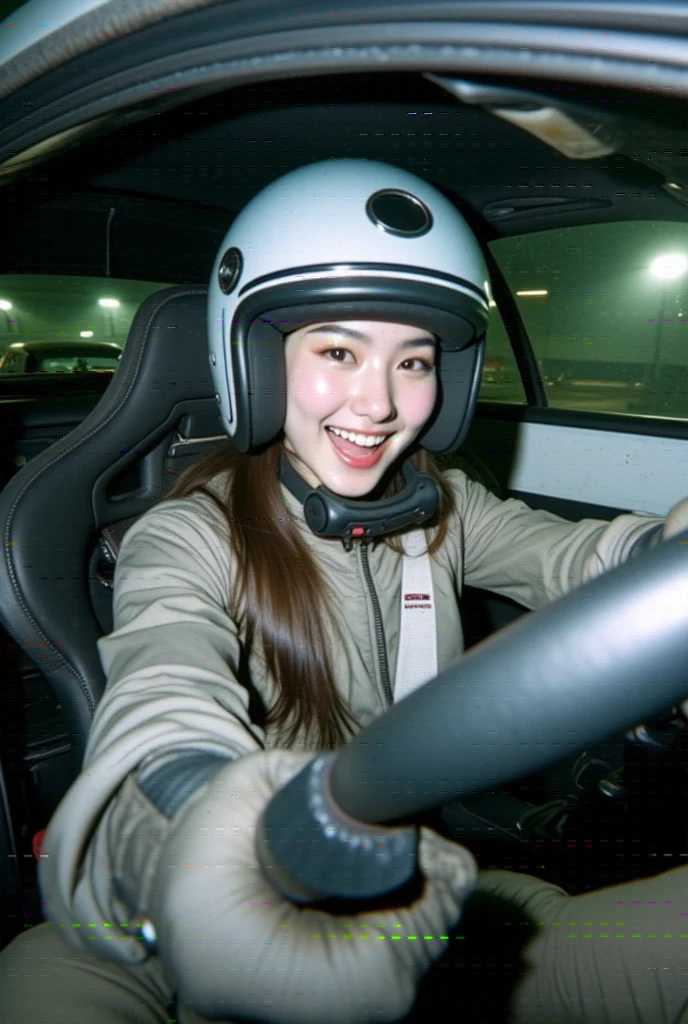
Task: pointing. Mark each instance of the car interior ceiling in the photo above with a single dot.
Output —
(153, 198)
(191, 169)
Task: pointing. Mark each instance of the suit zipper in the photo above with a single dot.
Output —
(379, 628)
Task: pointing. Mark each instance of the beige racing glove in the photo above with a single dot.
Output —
(676, 520)
(234, 948)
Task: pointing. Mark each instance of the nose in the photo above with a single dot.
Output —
(372, 396)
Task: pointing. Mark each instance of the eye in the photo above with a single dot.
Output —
(338, 354)
(424, 367)
(335, 353)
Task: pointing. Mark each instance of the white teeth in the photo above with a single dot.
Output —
(360, 439)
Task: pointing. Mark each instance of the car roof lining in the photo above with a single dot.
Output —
(529, 39)
(227, 145)
(69, 38)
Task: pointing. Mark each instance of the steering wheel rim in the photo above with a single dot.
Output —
(594, 663)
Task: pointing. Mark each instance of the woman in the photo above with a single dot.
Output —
(257, 620)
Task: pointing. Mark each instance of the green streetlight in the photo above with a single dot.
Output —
(109, 305)
(669, 266)
(6, 306)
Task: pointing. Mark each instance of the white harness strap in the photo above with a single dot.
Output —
(417, 657)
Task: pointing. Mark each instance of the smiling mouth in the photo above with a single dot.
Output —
(361, 440)
(359, 456)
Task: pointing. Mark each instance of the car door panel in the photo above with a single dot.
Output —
(574, 464)
(588, 460)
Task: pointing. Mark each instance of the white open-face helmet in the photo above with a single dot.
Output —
(344, 240)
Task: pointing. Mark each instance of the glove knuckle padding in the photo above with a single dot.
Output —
(234, 947)
(676, 520)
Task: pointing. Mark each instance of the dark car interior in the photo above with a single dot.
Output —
(152, 199)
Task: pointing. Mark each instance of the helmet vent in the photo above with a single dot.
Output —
(399, 213)
(229, 271)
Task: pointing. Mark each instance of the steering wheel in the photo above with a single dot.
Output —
(598, 661)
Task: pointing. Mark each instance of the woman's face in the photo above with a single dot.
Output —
(365, 378)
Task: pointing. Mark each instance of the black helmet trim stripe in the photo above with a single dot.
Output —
(457, 318)
(337, 270)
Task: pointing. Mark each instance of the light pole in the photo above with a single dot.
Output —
(667, 267)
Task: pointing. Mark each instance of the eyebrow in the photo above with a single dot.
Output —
(350, 332)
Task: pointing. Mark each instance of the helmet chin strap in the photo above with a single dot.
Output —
(330, 515)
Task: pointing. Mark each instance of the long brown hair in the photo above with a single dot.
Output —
(287, 619)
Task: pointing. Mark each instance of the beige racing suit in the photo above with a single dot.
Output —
(182, 697)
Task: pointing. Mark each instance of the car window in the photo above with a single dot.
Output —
(501, 379)
(606, 310)
(66, 324)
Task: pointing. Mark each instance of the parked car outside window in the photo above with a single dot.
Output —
(59, 323)
(25, 357)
